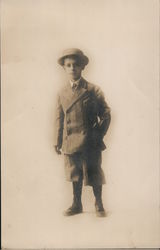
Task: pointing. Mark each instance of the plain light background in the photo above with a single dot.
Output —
(120, 37)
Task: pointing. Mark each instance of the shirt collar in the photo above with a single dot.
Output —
(75, 82)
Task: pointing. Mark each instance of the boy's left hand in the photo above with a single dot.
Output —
(57, 149)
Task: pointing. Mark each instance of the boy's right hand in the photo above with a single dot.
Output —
(57, 149)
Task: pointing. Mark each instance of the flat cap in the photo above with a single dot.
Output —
(73, 52)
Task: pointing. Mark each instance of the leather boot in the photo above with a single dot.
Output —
(76, 207)
(97, 190)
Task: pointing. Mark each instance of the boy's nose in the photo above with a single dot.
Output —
(72, 66)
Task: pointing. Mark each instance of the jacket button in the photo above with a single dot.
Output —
(68, 131)
(68, 120)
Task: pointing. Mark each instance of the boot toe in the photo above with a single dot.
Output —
(73, 211)
(101, 213)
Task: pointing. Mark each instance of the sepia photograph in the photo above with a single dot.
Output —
(80, 124)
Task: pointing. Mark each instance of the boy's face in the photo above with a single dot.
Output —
(73, 68)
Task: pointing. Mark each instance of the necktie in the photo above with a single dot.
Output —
(75, 85)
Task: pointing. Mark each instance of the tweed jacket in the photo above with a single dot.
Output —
(82, 118)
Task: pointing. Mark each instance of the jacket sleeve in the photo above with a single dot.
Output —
(103, 112)
(59, 123)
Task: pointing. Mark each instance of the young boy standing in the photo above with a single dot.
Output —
(82, 120)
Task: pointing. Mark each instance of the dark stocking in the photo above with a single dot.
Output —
(77, 192)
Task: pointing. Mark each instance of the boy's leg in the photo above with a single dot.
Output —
(77, 192)
(76, 207)
(97, 190)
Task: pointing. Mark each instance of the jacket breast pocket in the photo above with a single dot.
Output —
(86, 101)
(89, 104)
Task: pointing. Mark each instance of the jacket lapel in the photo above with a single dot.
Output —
(70, 97)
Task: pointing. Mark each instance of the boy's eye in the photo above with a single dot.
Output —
(72, 65)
